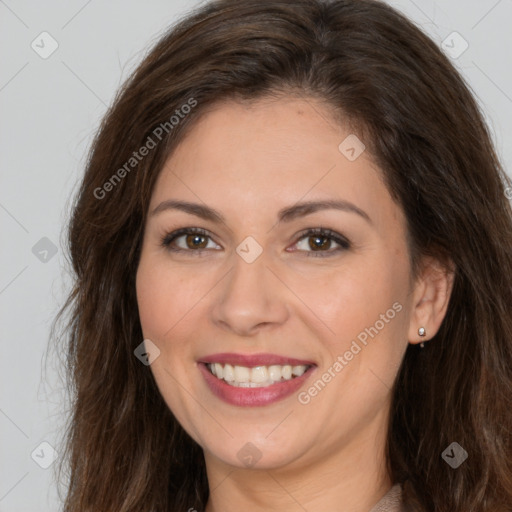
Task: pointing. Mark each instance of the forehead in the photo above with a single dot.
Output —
(269, 154)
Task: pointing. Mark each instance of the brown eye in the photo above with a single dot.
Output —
(196, 241)
(188, 240)
(318, 243)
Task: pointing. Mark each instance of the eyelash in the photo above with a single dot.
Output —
(343, 243)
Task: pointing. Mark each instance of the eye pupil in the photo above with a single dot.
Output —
(317, 244)
(194, 241)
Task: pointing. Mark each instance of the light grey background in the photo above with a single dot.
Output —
(50, 109)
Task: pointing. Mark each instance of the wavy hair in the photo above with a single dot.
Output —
(124, 450)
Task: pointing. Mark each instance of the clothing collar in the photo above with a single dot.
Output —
(391, 501)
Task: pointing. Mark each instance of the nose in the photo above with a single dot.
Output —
(250, 299)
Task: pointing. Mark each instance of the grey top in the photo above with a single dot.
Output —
(390, 502)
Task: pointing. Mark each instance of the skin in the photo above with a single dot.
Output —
(248, 162)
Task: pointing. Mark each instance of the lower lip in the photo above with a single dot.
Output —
(252, 397)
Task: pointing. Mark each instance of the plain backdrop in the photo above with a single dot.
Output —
(51, 105)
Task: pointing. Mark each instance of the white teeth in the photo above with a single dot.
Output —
(218, 370)
(228, 373)
(298, 370)
(274, 372)
(258, 376)
(286, 371)
(242, 373)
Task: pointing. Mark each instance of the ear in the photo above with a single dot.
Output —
(431, 296)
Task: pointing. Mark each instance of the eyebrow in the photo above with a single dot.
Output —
(285, 215)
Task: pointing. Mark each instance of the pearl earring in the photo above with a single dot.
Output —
(422, 332)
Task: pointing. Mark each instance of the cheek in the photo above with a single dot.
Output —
(152, 301)
(373, 321)
(165, 297)
(367, 313)
(350, 298)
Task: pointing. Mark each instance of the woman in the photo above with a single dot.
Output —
(292, 248)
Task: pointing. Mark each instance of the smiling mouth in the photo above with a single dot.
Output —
(256, 376)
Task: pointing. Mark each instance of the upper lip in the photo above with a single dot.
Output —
(252, 360)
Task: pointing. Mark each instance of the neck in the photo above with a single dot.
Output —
(352, 478)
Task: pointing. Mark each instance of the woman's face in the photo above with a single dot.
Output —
(266, 301)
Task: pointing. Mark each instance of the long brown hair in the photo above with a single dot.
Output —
(124, 450)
